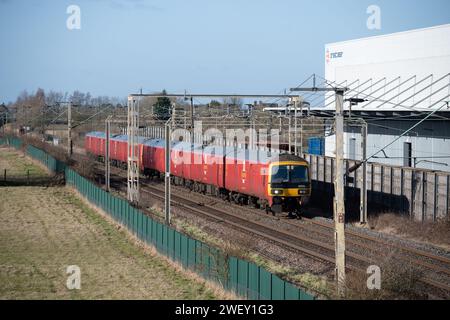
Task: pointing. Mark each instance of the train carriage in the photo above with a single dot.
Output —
(276, 182)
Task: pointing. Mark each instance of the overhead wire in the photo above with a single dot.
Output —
(399, 137)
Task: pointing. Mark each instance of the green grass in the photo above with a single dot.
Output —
(17, 164)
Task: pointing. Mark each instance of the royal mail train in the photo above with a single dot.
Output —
(271, 181)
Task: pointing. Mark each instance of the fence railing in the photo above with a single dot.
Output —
(26, 177)
(242, 277)
(422, 194)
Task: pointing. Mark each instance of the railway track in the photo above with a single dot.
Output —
(434, 262)
(378, 247)
(317, 249)
(321, 248)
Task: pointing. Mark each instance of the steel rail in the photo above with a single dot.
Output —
(269, 234)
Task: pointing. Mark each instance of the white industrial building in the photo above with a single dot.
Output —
(403, 77)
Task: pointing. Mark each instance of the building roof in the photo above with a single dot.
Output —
(403, 71)
(442, 26)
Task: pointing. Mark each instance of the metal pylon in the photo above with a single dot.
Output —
(133, 150)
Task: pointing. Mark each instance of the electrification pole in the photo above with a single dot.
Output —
(363, 197)
(174, 115)
(5, 121)
(339, 205)
(107, 164)
(363, 176)
(133, 151)
(192, 120)
(167, 176)
(289, 132)
(301, 128)
(295, 124)
(69, 128)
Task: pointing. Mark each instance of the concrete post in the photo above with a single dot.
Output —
(107, 164)
(363, 197)
(339, 212)
(167, 176)
(69, 129)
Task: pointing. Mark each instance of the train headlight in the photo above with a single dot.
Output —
(302, 191)
(277, 192)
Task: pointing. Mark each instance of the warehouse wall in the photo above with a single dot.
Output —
(418, 52)
(430, 141)
(423, 195)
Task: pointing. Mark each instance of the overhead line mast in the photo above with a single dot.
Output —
(339, 204)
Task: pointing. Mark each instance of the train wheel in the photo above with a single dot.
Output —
(254, 202)
(225, 196)
(269, 210)
(296, 214)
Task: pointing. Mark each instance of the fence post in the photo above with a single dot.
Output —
(28, 176)
(4, 175)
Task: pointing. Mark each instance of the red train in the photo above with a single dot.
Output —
(274, 182)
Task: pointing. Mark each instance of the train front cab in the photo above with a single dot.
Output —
(289, 186)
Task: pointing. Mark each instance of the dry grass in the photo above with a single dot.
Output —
(435, 233)
(399, 281)
(86, 167)
(57, 152)
(43, 230)
(18, 164)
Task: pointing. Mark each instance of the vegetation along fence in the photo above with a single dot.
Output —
(237, 275)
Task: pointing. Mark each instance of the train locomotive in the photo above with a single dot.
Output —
(267, 180)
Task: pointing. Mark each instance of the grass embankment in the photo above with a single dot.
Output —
(44, 230)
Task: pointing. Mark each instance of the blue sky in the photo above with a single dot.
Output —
(253, 46)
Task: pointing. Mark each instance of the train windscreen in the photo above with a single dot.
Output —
(289, 174)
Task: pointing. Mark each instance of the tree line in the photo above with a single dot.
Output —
(39, 108)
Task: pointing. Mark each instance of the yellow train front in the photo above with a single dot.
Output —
(289, 184)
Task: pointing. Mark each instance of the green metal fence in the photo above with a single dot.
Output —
(239, 276)
(242, 277)
(12, 141)
(50, 162)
